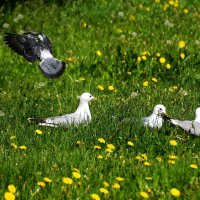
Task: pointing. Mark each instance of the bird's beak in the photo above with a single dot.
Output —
(94, 98)
(165, 114)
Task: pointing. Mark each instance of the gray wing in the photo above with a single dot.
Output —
(195, 130)
(191, 127)
(64, 120)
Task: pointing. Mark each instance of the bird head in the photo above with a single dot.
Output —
(86, 97)
(159, 110)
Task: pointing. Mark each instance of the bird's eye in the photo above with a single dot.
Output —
(160, 109)
(90, 96)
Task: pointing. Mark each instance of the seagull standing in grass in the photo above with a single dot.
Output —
(33, 46)
(155, 120)
(82, 114)
(192, 127)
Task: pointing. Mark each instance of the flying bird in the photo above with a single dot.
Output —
(33, 46)
(82, 114)
(192, 127)
(155, 120)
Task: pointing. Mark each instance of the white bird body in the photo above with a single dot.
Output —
(155, 120)
(82, 114)
(192, 127)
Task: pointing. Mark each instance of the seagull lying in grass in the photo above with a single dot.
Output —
(82, 114)
(155, 120)
(33, 46)
(192, 127)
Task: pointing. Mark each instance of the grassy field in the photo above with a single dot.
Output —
(148, 52)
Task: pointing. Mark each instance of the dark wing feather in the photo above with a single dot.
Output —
(21, 45)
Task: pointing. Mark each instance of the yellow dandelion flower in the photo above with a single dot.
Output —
(158, 54)
(78, 142)
(67, 180)
(111, 146)
(76, 175)
(100, 87)
(175, 87)
(63, 188)
(162, 60)
(69, 59)
(173, 142)
(144, 57)
(165, 6)
(146, 53)
(100, 157)
(13, 137)
(130, 143)
(119, 30)
(144, 195)
(146, 163)
(99, 53)
(97, 147)
(110, 87)
(157, 1)
(145, 83)
(173, 157)
(168, 66)
(194, 166)
(185, 10)
(119, 178)
(144, 156)
(101, 140)
(182, 55)
(109, 150)
(116, 185)
(13, 145)
(171, 162)
(147, 9)
(84, 24)
(46, 179)
(82, 78)
(175, 192)
(9, 196)
(104, 190)
(131, 18)
(12, 188)
(154, 80)
(23, 147)
(95, 196)
(148, 178)
(139, 59)
(41, 183)
(105, 183)
(39, 132)
(181, 44)
(76, 170)
(159, 159)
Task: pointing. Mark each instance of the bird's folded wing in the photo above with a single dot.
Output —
(195, 130)
(68, 119)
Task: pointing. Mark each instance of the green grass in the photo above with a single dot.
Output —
(78, 29)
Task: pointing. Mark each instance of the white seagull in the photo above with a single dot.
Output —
(33, 46)
(82, 114)
(192, 127)
(155, 120)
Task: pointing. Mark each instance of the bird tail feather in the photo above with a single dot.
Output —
(52, 68)
(36, 120)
